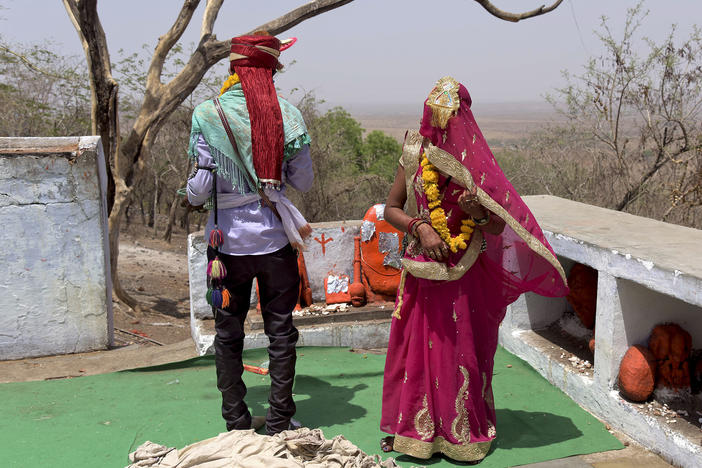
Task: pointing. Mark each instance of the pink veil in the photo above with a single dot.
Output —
(520, 259)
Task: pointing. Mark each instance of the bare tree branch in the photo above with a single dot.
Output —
(28, 63)
(210, 16)
(515, 17)
(166, 43)
(300, 14)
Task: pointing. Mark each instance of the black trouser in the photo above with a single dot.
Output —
(278, 284)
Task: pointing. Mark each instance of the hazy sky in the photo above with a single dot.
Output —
(382, 53)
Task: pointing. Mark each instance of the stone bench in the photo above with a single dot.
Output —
(649, 272)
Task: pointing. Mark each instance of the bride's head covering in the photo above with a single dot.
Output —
(520, 259)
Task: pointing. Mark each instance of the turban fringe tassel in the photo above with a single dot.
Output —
(267, 137)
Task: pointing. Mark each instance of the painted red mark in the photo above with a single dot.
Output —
(343, 229)
(324, 242)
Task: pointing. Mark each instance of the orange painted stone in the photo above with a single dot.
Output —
(637, 374)
(381, 247)
(671, 346)
(305, 298)
(356, 289)
(336, 289)
(582, 281)
(591, 345)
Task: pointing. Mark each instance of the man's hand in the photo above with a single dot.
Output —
(185, 203)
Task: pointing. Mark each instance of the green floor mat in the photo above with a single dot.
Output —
(96, 421)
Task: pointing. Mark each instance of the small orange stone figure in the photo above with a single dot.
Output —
(637, 374)
(671, 346)
(583, 293)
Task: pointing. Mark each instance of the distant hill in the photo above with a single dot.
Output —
(501, 122)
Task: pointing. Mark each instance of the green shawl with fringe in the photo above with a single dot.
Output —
(206, 122)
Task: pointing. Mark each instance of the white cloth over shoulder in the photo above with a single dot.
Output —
(245, 449)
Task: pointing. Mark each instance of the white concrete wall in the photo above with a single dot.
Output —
(55, 287)
(329, 250)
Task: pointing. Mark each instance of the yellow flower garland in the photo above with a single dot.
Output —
(231, 81)
(437, 215)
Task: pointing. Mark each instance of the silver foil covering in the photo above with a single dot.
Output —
(367, 230)
(388, 242)
(380, 211)
(337, 284)
(393, 259)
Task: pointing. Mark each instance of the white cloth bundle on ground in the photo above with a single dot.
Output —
(245, 449)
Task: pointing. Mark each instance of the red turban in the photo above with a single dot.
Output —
(254, 58)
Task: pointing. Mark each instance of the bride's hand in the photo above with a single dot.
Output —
(432, 243)
(468, 202)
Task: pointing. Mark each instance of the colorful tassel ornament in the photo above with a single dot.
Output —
(208, 296)
(217, 298)
(225, 298)
(216, 269)
(216, 238)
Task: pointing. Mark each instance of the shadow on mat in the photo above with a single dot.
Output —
(518, 429)
(327, 404)
(528, 429)
(318, 403)
(200, 361)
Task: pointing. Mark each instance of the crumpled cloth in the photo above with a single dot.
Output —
(245, 449)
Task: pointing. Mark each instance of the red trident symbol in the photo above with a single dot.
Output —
(323, 243)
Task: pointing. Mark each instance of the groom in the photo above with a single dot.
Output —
(248, 149)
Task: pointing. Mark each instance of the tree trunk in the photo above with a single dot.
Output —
(127, 216)
(143, 212)
(154, 223)
(122, 196)
(171, 219)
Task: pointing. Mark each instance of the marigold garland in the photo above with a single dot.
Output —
(430, 176)
(231, 81)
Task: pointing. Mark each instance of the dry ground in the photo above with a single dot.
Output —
(156, 274)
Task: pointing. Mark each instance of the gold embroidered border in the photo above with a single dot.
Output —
(446, 163)
(460, 427)
(400, 296)
(439, 271)
(423, 423)
(410, 161)
(460, 452)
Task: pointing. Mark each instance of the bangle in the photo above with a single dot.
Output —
(412, 225)
(416, 226)
(482, 221)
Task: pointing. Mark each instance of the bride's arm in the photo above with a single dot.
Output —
(394, 206)
(395, 215)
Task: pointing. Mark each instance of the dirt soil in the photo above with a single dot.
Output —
(155, 273)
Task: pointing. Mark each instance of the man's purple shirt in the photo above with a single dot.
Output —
(251, 229)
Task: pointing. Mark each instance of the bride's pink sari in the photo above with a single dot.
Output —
(437, 389)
